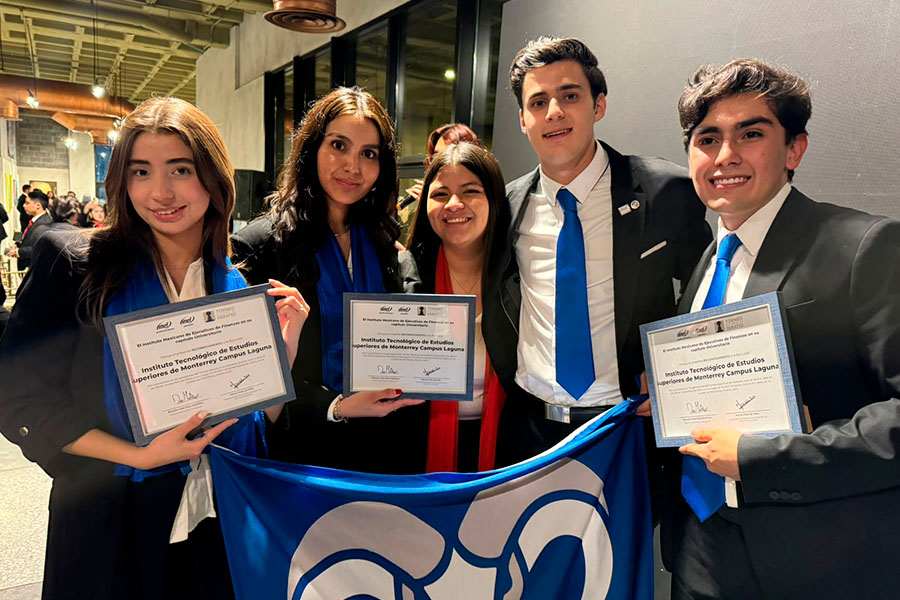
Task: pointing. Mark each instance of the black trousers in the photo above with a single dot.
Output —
(711, 561)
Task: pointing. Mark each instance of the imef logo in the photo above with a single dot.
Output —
(684, 333)
(187, 320)
(164, 326)
(386, 309)
(404, 309)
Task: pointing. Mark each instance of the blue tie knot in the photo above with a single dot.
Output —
(567, 200)
(730, 244)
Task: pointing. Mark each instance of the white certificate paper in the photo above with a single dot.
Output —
(220, 354)
(422, 344)
(728, 367)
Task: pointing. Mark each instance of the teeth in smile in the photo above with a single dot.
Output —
(731, 180)
(167, 212)
(458, 220)
(556, 133)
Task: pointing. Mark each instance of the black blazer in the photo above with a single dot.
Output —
(667, 211)
(107, 536)
(302, 434)
(821, 516)
(3, 219)
(26, 247)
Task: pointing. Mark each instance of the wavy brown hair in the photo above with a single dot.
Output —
(127, 240)
(300, 204)
(423, 241)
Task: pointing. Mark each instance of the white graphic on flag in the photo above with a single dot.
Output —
(516, 519)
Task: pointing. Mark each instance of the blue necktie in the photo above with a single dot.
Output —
(574, 354)
(703, 490)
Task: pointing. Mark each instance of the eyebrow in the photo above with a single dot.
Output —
(738, 126)
(562, 88)
(344, 138)
(138, 161)
(466, 184)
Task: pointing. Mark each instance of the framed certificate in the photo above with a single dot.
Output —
(725, 367)
(222, 353)
(423, 344)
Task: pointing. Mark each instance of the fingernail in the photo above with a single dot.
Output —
(203, 414)
(398, 391)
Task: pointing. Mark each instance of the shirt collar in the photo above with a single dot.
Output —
(752, 232)
(582, 185)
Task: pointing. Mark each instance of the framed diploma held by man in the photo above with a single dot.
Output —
(725, 367)
(222, 353)
(423, 344)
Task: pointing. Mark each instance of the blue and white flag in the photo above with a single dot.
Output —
(571, 523)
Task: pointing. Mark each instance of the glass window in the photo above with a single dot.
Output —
(495, 9)
(323, 72)
(429, 75)
(371, 62)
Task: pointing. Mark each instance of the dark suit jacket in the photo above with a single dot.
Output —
(3, 219)
(23, 216)
(107, 536)
(821, 516)
(302, 434)
(29, 241)
(669, 211)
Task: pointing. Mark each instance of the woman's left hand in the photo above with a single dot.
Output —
(292, 313)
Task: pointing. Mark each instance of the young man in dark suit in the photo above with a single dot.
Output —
(37, 208)
(593, 242)
(24, 217)
(818, 513)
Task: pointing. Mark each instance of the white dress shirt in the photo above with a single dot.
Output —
(472, 410)
(536, 254)
(197, 497)
(752, 233)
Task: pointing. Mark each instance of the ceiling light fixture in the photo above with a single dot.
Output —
(31, 100)
(97, 90)
(450, 74)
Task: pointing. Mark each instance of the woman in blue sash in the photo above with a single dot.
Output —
(128, 521)
(332, 229)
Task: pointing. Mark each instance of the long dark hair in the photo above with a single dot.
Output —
(114, 250)
(423, 241)
(299, 207)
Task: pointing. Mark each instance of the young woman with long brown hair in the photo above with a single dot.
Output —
(113, 504)
(331, 229)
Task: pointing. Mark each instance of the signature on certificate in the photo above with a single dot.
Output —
(237, 384)
(184, 396)
(694, 408)
(741, 405)
(431, 371)
(386, 370)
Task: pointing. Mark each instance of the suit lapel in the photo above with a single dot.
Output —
(628, 231)
(684, 305)
(781, 247)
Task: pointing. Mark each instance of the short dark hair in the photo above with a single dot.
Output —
(26, 187)
(65, 209)
(39, 196)
(787, 94)
(547, 50)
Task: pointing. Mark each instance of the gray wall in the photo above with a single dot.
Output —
(847, 51)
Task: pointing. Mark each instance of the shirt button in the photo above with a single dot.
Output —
(23, 431)
(796, 496)
(774, 495)
(785, 495)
